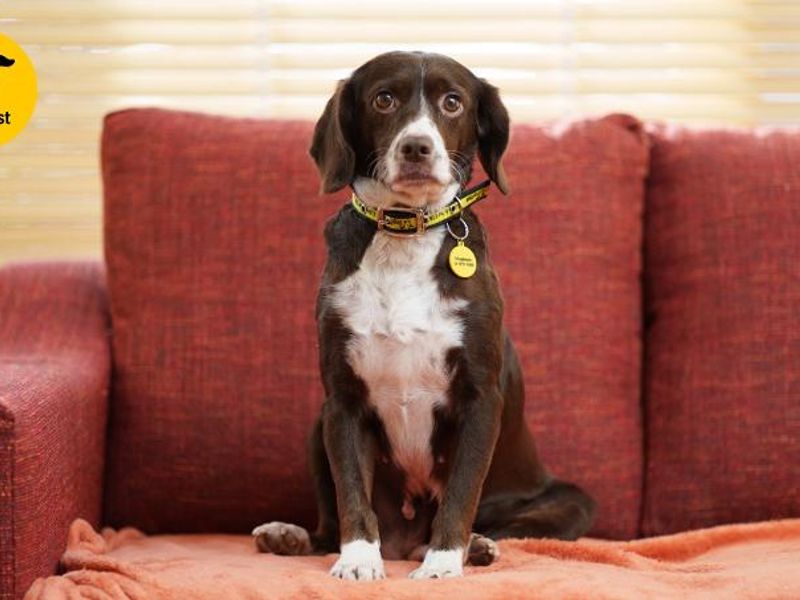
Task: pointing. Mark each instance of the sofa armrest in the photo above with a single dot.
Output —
(54, 377)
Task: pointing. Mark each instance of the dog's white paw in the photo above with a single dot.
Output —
(439, 564)
(360, 560)
(282, 538)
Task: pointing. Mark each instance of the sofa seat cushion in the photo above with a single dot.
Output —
(723, 336)
(213, 238)
(741, 561)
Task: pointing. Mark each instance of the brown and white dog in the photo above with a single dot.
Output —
(422, 449)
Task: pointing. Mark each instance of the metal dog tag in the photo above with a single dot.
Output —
(462, 260)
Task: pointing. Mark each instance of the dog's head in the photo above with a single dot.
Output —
(412, 124)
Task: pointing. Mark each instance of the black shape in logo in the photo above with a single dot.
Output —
(6, 62)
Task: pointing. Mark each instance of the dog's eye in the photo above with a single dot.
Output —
(451, 104)
(384, 101)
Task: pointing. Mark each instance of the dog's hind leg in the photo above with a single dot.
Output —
(277, 537)
(287, 539)
(482, 551)
(561, 511)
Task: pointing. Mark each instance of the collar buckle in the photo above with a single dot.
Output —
(400, 212)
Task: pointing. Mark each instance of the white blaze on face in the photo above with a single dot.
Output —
(421, 126)
(386, 191)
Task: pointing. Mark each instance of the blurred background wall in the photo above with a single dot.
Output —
(715, 62)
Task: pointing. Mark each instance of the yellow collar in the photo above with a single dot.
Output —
(414, 221)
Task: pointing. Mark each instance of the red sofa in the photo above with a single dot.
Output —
(652, 285)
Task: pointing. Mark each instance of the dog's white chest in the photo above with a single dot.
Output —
(402, 329)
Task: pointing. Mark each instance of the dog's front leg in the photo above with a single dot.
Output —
(478, 428)
(351, 453)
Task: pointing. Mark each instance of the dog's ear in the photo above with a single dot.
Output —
(493, 132)
(331, 146)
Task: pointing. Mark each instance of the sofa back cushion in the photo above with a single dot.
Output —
(214, 250)
(567, 247)
(723, 336)
(212, 243)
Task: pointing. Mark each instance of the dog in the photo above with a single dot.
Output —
(421, 450)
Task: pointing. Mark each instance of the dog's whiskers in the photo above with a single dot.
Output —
(460, 163)
(460, 175)
(375, 163)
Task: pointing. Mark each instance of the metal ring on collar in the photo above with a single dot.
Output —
(466, 230)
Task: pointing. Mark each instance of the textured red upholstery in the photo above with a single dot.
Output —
(723, 341)
(54, 369)
(214, 252)
(213, 242)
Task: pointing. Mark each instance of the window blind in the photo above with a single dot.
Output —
(733, 62)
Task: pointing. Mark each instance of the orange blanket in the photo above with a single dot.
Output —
(760, 560)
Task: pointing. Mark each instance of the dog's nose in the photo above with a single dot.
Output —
(416, 148)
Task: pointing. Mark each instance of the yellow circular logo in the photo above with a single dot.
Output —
(17, 89)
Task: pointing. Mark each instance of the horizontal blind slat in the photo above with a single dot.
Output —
(98, 10)
(81, 240)
(466, 30)
(52, 60)
(515, 81)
